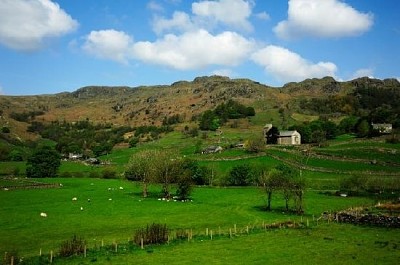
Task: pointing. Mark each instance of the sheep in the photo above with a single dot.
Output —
(121, 188)
(74, 198)
(43, 214)
(110, 199)
(81, 208)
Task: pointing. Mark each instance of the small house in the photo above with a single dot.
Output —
(289, 138)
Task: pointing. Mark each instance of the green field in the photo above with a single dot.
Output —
(116, 209)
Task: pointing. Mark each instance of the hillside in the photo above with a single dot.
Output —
(136, 106)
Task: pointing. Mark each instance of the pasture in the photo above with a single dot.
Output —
(113, 214)
(110, 210)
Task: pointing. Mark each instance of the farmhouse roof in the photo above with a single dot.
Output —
(287, 133)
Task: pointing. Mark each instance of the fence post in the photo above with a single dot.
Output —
(12, 260)
(308, 224)
(234, 226)
(206, 231)
(141, 243)
(51, 256)
(116, 247)
(230, 232)
(40, 252)
(247, 229)
(84, 251)
(211, 234)
(102, 243)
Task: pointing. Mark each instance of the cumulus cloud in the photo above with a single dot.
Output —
(24, 25)
(194, 50)
(108, 44)
(328, 18)
(180, 21)
(234, 13)
(287, 66)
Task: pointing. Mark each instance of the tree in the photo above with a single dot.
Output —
(141, 167)
(184, 185)
(362, 128)
(44, 163)
(240, 175)
(255, 144)
(167, 168)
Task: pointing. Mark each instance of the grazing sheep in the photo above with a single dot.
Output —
(110, 199)
(43, 214)
(88, 200)
(74, 198)
(121, 188)
(61, 184)
(81, 208)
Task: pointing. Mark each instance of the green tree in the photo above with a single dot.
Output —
(44, 163)
(240, 175)
(362, 128)
(141, 167)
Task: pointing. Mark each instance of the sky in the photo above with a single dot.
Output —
(52, 46)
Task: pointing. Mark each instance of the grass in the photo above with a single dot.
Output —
(103, 219)
(325, 244)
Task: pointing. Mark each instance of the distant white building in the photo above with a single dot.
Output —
(289, 138)
(382, 127)
(284, 137)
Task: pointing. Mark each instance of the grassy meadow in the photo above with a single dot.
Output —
(110, 210)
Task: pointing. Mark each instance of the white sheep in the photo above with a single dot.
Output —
(121, 188)
(74, 198)
(43, 214)
(81, 208)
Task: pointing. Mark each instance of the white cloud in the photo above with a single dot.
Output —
(362, 73)
(108, 44)
(263, 16)
(327, 18)
(194, 50)
(234, 13)
(154, 6)
(24, 25)
(287, 66)
(180, 21)
(223, 72)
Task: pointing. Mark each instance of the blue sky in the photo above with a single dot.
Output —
(51, 46)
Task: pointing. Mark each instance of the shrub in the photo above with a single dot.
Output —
(75, 246)
(240, 175)
(109, 174)
(184, 186)
(5, 130)
(153, 234)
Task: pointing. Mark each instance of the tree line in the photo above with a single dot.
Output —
(211, 120)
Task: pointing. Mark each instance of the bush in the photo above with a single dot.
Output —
(75, 246)
(240, 175)
(153, 234)
(5, 130)
(109, 174)
(184, 186)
